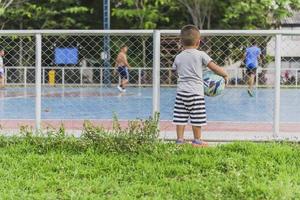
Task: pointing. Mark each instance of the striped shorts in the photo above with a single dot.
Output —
(189, 107)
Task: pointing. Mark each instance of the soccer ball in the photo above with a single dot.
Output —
(213, 84)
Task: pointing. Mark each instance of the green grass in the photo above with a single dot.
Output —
(68, 168)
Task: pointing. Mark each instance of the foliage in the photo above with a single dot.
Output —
(142, 14)
(145, 14)
(258, 13)
(4, 5)
(138, 134)
(58, 14)
(200, 11)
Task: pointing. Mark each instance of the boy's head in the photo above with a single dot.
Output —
(190, 36)
(124, 48)
(1, 52)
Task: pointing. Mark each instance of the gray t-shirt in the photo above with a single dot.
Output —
(189, 65)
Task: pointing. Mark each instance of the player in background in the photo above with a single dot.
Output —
(1, 69)
(252, 57)
(121, 66)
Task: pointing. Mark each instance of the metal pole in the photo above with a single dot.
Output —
(38, 89)
(43, 76)
(296, 78)
(106, 41)
(63, 77)
(140, 77)
(25, 76)
(156, 72)
(101, 76)
(106, 14)
(5, 76)
(81, 76)
(276, 125)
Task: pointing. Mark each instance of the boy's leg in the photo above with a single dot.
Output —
(180, 132)
(198, 142)
(124, 83)
(251, 81)
(1, 82)
(180, 116)
(197, 132)
(198, 119)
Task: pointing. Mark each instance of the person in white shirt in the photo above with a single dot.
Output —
(190, 103)
(1, 69)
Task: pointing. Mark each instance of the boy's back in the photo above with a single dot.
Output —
(189, 65)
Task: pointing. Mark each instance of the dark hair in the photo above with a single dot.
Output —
(190, 35)
(123, 46)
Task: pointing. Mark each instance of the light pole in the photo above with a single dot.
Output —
(106, 41)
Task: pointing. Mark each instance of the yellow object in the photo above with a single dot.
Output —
(51, 75)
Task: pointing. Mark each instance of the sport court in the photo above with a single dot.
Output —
(234, 110)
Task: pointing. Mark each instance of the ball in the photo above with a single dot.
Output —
(213, 84)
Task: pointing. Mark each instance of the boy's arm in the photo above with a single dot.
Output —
(218, 70)
(126, 61)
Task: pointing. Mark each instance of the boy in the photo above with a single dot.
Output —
(190, 102)
(1, 69)
(122, 66)
(252, 56)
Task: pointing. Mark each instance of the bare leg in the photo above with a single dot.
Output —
(250, 84)
(180, 132)
(124, 83)
(197, 132)
(251, 81)
(198, 142)
(1, 82)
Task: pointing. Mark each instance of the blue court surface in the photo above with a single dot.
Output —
(102, 103)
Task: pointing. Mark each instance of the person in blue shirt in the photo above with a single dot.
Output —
(252, 57)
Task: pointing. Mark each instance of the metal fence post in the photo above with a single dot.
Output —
(101, 76)
(156, 72)
(140, 77)
(81, 76)
(276, 123)
(296, 78)
(43, 76)
(63, 77)
(38, 80)
(25, 76)
(5, 75)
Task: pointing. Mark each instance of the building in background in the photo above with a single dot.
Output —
(290, 51)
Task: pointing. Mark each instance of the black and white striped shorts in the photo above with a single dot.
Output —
(189, 107)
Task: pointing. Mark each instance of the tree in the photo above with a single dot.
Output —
(44, 14)
(254, 14)
(200, 11)
(4, 4)
(142, 14)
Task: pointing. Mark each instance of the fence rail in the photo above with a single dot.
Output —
(94, 76)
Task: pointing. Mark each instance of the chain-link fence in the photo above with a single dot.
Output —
(79, 79)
